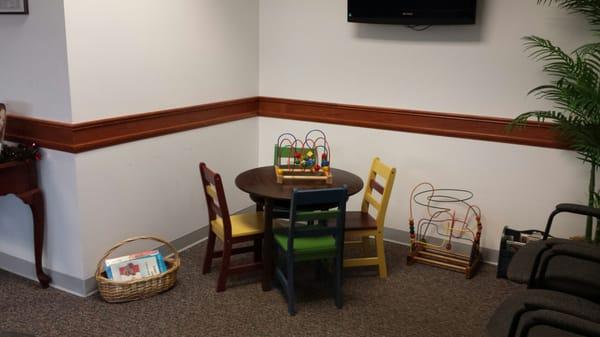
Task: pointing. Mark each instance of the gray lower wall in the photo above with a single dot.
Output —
(27, 269)
(85, 287)
(88, 286)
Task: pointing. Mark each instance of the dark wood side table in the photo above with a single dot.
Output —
(263, 188)
(20, 178)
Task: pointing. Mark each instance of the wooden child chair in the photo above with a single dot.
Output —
(361, 225)
(303, 241)
(230, 229)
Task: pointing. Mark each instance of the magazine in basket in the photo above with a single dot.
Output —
(135, 266)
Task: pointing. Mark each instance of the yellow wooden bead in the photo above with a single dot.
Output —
(309, 154)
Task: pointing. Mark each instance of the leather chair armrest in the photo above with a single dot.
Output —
(579, 209)
(570, 208)
(558, 320)
(587, 252)
(508, 316)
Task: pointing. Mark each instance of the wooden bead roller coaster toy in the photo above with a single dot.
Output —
(303, 159)
(443, 226)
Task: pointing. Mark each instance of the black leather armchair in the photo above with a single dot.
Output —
(545, 313)
(563, 277)
(558, 264)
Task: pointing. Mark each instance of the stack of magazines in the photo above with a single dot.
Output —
(135, 266)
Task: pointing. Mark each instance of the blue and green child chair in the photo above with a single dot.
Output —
(308, 237)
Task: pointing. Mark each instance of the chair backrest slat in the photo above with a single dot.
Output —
(372, 201)
(317, 215)
(210, 190)
(387, 174)
(381, 169)
(215, 198)
(313, 231)
(216, 209)
(376, 186)
(207, 174)
(323, 205)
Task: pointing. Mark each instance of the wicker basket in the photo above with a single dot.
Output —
(115, 292)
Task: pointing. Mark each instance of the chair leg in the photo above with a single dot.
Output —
(290, 287)
(318, 270)
(339, 266)
(276, 265)
(366, 244)
(208, 256)
(222, 282)
(381, 255)
(257, 250)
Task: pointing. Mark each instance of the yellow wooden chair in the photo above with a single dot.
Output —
(361, 226)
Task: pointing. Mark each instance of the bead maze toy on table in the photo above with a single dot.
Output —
(298, 159)
(443, 225)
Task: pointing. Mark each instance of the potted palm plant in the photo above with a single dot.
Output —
(574, 90)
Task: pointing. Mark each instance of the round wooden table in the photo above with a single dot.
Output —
(260, 183)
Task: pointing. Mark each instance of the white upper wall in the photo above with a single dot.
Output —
(515, 185)
(153, 186)
(137, 56)
(127, 57)
(145, 55)
(309, 51)
(34, 78)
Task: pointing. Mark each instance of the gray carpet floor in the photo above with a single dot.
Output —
(414, 300)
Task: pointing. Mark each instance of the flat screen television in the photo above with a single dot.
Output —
(413, 12)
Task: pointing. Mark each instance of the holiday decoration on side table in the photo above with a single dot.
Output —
(2, 124)
(303, 159)
(20, 152)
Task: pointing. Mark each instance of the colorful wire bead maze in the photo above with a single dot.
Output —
(450, 224)
(303, 159)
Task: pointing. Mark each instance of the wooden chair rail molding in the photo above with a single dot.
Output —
(80, 137)
(97, 134)
(434, 123)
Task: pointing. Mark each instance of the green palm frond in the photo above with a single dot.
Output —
(540, 115)
(574, 90)
(574, 77)
(543, 50)
(589, 8)
(589, 48)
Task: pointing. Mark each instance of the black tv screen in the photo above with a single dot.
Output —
(413, 12)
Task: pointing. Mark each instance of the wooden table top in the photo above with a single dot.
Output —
(261, 182)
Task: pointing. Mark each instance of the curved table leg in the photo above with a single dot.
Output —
(35, 200)
(268, 259)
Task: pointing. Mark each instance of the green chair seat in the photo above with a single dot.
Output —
(319, 246)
